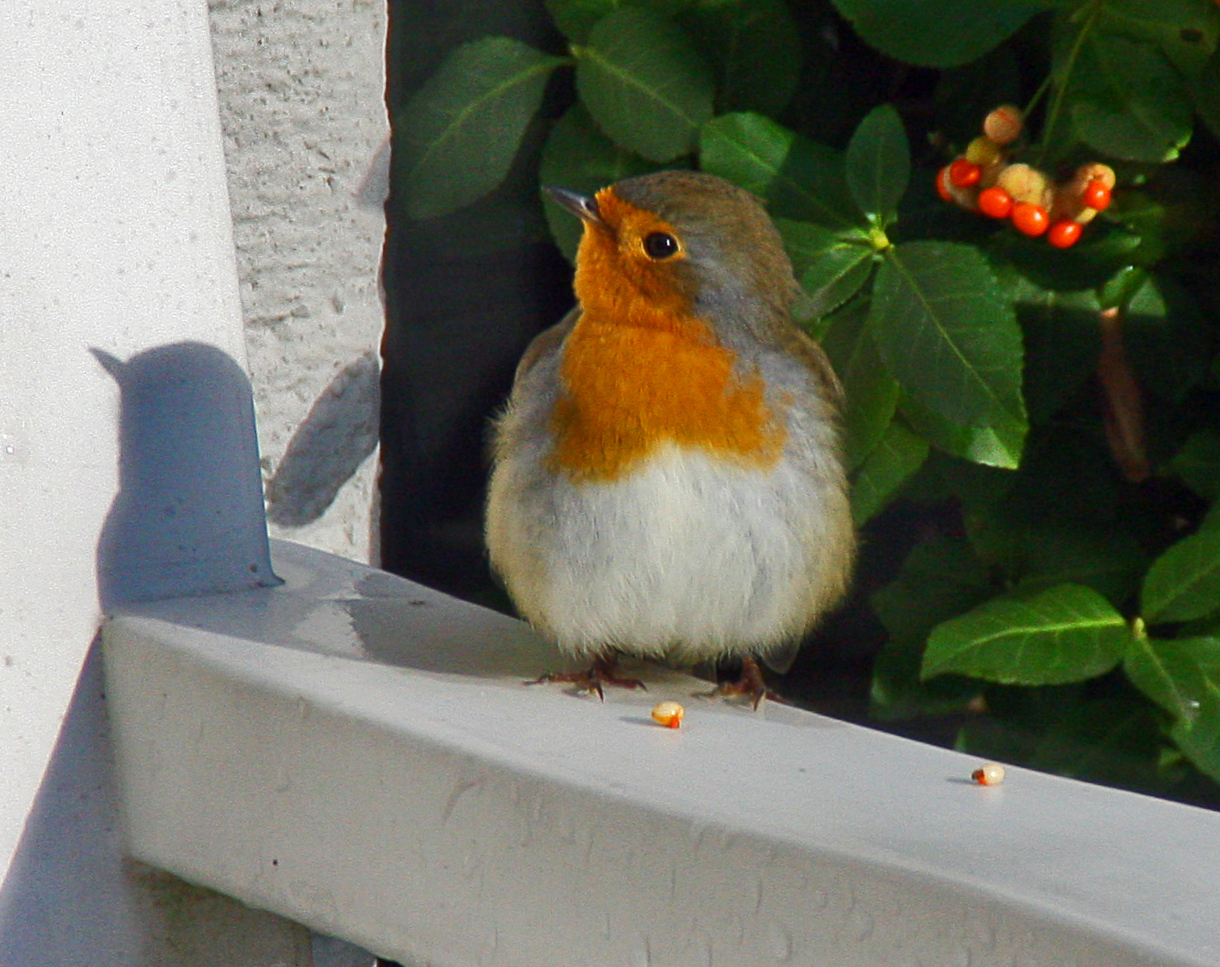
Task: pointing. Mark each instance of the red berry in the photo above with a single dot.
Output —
(1064, 233)
(995, 202)
(1030, 219)
(942, 184)
(1097, 195)
(964, 173)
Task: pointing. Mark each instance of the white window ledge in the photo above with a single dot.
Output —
(359, 754)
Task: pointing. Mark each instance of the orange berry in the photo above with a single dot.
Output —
(1030, 219)
(942, 184)
(1096, 195)
(995, 202)
(964, 173)
(1003, 125)
(1064, 233)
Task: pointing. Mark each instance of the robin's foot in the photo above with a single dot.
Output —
(595, 679)
(750, 684)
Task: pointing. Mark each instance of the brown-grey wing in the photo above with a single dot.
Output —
(818, 363)
(545, 343)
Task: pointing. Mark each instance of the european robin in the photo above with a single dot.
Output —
(667, 480)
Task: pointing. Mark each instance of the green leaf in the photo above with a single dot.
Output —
(645, 84)
(577, 156)
(870, 392)
(807, 243)
(948, 334)
(1184, 582)
(940, 578)
(797, 177)
(892, 462)
(1204, 90)
(1067, 633)
(943, 34)
(1183, 677)
(1057, 519)
(456, 137)
(1108, 560)
(576, 18)
(1121, 287)
(1197, 463)
(1000, 445)
(755, 49)
(879, 164)
(1039, 550)
(1065, 475)
(1110, 739)
(831, 266)
(1090, 262)
(1185, 30)
(1061, 344)
(1167, 338)
(835, 278)
(1199, 737)
(1126, 99)
(1175, 674)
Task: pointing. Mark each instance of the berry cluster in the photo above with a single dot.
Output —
(985, 180)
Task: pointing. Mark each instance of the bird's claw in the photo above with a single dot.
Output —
(595, 679)
(750, 685)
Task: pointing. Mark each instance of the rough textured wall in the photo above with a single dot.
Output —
(302, 98)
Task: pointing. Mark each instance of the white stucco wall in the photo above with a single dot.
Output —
(302, 103)
(115, 245)
(115, 237)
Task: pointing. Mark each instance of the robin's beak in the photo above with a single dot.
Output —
(582, 206)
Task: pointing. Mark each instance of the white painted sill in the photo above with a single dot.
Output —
(358, 753)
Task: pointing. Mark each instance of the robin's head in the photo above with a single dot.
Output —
(677, 244)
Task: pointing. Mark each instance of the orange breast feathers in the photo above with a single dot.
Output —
(639, 370)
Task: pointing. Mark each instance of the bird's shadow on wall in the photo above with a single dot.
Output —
(188, 518)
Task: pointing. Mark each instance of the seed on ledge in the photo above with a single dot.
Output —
(992, 774)
(669, 714)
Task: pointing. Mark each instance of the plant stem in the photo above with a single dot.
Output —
(1056, 108)
(1038, 95)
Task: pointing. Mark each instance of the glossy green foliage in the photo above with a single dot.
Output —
(1049, 419)
(455, 140)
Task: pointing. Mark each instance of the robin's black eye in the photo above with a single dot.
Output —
(660, 245)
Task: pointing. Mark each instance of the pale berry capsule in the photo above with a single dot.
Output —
(982, 151)
(1025, 184)
(992, 774)
(1003, 125)
(1085, 195)
(669, 714)
(1094, 171)
(942, 184)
